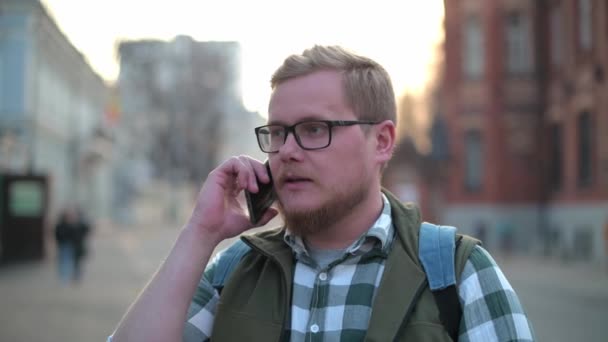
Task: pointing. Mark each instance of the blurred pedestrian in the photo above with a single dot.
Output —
(606, 242)
(71, 232)
(505, 237)
(481, 232)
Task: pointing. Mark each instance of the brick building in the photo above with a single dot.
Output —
(575, 117)
(527, 124)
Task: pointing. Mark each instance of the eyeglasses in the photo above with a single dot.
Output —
(310, 135)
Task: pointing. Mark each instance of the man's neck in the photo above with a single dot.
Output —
(343, 232)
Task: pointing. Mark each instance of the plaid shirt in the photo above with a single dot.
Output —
(334, 303)
(491, 309)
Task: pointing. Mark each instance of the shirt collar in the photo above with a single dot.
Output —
(381, 232)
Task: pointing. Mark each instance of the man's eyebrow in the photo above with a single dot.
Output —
(312, 117)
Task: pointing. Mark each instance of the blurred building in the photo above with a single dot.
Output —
(524, 112)
(181, 109)
(574, 51)
(415, 174)
(51, 109)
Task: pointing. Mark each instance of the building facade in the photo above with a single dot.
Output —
(527, 124)
(575, 47)
(181, 109)
(51, 109)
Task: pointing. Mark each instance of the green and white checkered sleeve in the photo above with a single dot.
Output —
(491, 308)
(201, 312)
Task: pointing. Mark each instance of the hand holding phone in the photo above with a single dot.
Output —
(259, 202)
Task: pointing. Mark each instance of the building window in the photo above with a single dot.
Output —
(517, 29)
(585, 24)
(556, 35)
(473, 52)
(557, 152)
(585, 149)
(473, 161)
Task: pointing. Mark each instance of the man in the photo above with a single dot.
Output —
(345, 266)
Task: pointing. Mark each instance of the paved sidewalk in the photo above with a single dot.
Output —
(36, 306)
(565, 301)
(575, 276)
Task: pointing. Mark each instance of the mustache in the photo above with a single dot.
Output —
(288, 175)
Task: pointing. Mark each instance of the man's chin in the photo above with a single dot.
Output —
(299, 215)
(295, 204)
(304, 222)
(298, 210)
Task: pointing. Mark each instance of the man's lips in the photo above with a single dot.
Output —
(293, 180)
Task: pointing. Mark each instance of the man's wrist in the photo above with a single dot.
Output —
(201, 237)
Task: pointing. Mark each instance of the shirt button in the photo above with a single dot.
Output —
(323, 276)
(314, 328)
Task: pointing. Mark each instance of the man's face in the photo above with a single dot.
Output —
(330, 181)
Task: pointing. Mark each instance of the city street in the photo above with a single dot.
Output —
(37, 307)
(488, 115)
(565, 302)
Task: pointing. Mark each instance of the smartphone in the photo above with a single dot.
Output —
(259, 202)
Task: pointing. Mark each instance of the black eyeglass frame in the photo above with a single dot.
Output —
(292, 129)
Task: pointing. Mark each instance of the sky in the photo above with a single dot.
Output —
(402, 35)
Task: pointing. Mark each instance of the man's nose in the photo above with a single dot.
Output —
(290, 145)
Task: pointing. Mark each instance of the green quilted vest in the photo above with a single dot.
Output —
(255, 304)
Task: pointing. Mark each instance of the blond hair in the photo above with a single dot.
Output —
(367, 85)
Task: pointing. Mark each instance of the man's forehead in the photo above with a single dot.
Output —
(290, 119)
(291, 112)
(318, 86)
(293, 117)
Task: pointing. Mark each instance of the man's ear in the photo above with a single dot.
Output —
(385, 140)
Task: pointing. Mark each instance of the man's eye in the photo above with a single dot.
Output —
(278, 132)
(315, 129)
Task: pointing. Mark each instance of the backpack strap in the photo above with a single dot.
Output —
(226, 263)
(436, 250)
